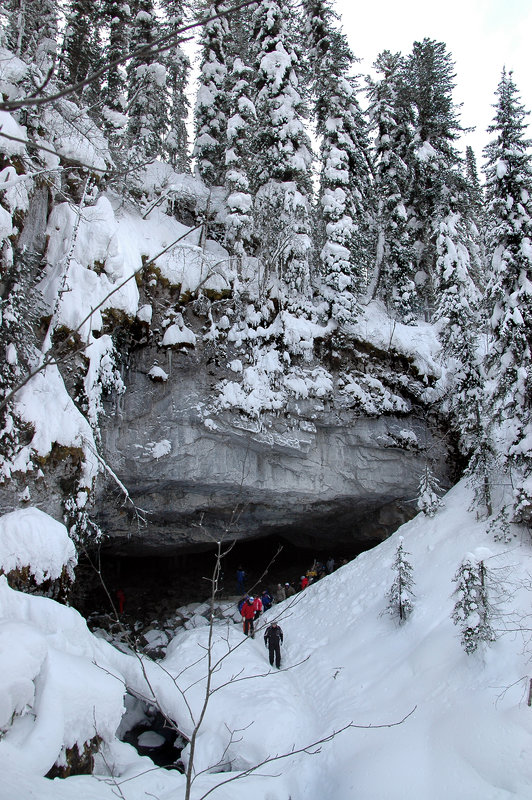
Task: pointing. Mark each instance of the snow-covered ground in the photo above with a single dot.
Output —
(468, 731)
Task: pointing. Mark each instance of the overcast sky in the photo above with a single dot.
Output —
(482, 36)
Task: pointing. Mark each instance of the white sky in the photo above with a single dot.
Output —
(482, 36)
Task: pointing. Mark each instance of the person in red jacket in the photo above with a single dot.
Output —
(248, 615)
(257, 605)
(304, 582)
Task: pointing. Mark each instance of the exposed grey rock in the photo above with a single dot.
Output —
(319, 473)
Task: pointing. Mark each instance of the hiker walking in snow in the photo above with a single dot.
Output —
(280, 593)
(257, 607)
(273, 639)
(330, 564)
(289, 589)
(303, 582)
(266, 600)
(248, 615)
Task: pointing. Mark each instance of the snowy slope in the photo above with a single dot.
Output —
(468, 736)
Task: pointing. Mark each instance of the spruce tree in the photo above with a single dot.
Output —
(178, 67)
(459, 318)
(212, 100)
(147, 90)
(392, 120)
(508, 172)
(472, 611)
(32, 30)
(438, 187)
(239, 216)
(428, 500)
(345, 193)
(82, 53)
(280, 148)
(400, 595)
(117, 15)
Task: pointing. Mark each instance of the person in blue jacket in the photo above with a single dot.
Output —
(267, 600)
(240, 579)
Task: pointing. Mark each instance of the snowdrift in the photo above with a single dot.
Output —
(467, 727)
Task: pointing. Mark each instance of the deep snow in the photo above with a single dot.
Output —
(468, 736)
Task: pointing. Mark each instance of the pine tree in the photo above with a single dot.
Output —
(81, 47)
(509, 295)
(392, 119)
(239, 217)
(345, 193)
(458, 312)
(427, 500)
(147, 90)
(117, 15)
(280, 150)
(472, 611)
(212, 100)
(32, 30)
(438, 185)
(178, 67)
(400, 595)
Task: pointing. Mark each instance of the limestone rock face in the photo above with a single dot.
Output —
(318, 473)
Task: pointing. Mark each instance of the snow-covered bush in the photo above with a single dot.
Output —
(36, 553)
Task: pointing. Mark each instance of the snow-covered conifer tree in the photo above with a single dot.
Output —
(178, 67)
(148, 95)
(472, 611)
(459, 318)
(212, 100)
(392, 118)
(32, 30)
(438, 187)
(81, 47)
(281, 154)
(428, 500)
(509, 294)
(239, 217)
(345, 193)
(400, 595)
(117, 13)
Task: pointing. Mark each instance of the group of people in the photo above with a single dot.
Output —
(251, 607)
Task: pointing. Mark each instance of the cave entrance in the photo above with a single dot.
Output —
(154, 585)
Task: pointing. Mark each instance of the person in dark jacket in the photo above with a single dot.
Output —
(273, 639)
(266, 600)
(240, 579)
(248, 615)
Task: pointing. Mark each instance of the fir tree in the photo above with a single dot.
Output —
(148, 96)
(32, 30)
(81, 47)
(459, 316)
(509, 295)
(178, 67)
(239, 217)
(117, 14)
(438, 185)
(280, 150)
(212, 100)
(472, 611)
(345, 194)
(427, 500)
(400, 595)
(393, 122)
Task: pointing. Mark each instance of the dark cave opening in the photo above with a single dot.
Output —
(156, 584)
